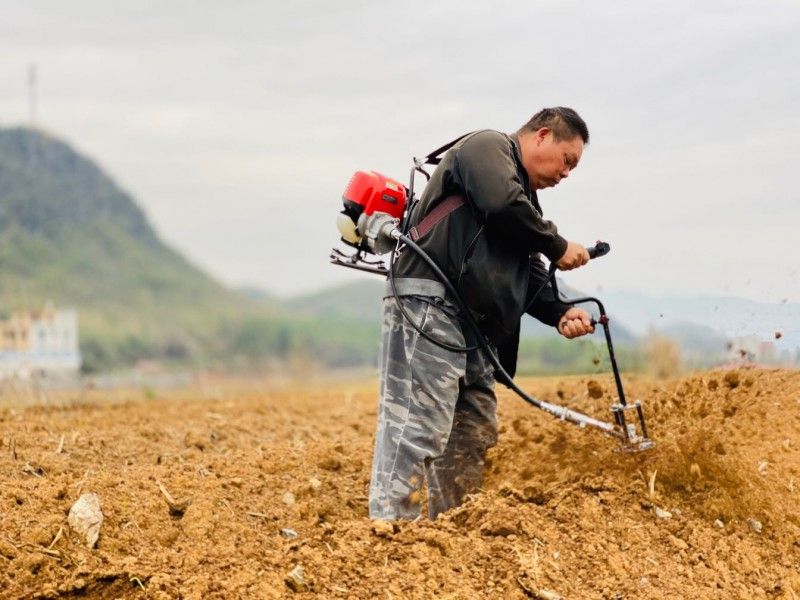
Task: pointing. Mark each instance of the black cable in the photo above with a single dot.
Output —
(443, 278)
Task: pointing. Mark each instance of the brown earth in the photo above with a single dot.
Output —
(562, 514)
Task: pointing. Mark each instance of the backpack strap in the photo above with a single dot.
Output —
(435, 157)
(444, 208)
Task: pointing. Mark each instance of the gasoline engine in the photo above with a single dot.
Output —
(368, 195)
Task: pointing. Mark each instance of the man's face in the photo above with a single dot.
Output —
(551, 161)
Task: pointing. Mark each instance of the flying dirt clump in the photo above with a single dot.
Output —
(731, 379)
(594, 389)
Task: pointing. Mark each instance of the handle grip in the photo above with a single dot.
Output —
(599, 249)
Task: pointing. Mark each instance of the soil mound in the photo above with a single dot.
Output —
(262, 494)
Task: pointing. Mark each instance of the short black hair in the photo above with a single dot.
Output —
(564, 122)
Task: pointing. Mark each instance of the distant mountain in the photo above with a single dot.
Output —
(360, 299)
(730, 317)
(69, 234)
(257, 294)
(700, 339)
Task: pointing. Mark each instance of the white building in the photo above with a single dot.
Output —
(40, 343)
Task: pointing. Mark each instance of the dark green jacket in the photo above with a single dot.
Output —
(489, 248)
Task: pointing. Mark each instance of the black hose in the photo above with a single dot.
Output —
(443, 277)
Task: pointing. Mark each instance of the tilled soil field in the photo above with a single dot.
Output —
(268, 497)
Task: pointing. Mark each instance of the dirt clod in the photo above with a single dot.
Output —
(661, 513)
(594, 389)
(731, 379)
(755, 525)
(296, 580)
(382, 528)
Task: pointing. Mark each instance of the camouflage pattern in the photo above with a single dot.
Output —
(437, 413)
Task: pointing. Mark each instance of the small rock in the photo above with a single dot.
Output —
(296, 579)
(195, 440)
(719, 524)
(755, 524)
(85, 517)
(382, 528)
(544, 594)
(678, 543)
(288, 499)
(662, 514)
(315, 484)
(289, 534)
(712, 384)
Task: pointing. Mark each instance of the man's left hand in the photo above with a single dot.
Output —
(575, 323)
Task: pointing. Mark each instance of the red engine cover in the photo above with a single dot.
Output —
(372, 192)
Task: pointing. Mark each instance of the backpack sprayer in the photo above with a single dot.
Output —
(376, 220)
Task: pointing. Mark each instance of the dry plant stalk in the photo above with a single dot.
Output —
(55, 539)
(176, 508)
(651, 484)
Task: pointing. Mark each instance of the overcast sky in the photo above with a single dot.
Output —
(236, 125)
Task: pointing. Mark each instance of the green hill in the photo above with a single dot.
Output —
(69, 234)
(360, 299)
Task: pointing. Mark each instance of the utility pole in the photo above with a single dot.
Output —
(32, 95)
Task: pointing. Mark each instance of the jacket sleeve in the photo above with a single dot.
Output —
(546, 308)
(488, 171)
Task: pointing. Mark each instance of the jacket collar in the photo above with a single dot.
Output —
(523, 174)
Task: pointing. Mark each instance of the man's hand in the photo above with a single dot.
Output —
(575, 256)
(575, 323)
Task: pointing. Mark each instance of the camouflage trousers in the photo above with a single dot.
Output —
(436, 417)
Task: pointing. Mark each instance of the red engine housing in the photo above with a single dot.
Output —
(371, 192)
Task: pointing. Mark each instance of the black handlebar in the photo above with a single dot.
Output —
(599, 249)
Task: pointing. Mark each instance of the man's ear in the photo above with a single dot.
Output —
(541, 134)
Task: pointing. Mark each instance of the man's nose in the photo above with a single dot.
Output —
(564, 173)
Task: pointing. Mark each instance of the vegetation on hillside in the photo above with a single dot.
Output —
(70, 235)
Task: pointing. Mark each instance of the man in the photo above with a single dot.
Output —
(437, 413)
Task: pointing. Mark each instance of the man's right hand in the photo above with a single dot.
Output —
(574, 257)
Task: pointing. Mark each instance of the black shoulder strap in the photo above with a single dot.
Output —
(435, 157)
